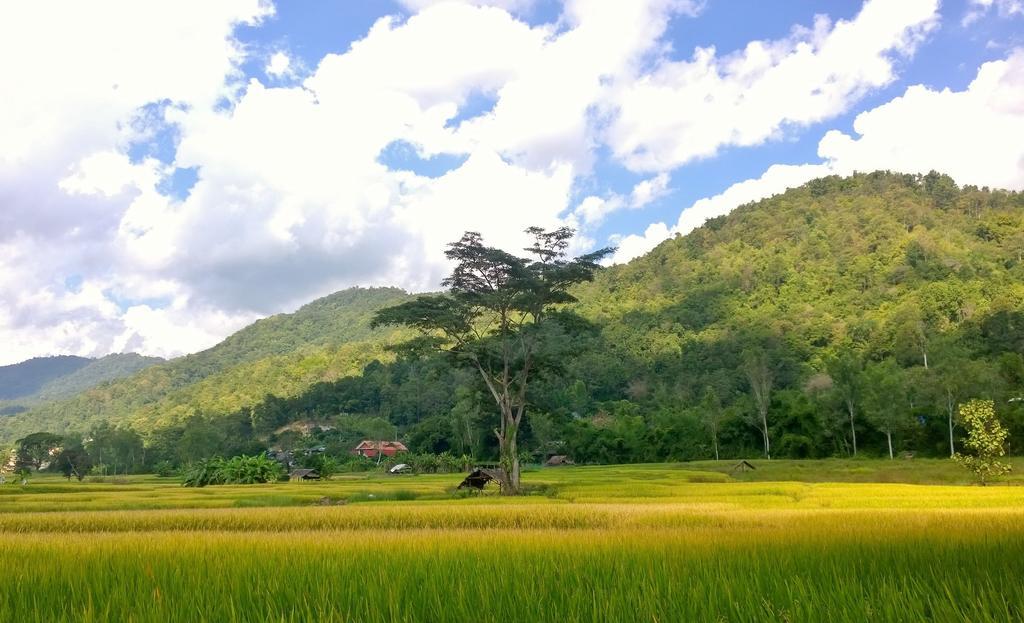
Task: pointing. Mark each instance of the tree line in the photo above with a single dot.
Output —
(852, 316)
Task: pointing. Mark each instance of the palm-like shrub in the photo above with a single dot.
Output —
(239, 470)
(247, 470)
(204, 472)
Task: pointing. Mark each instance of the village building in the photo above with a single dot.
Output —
(371, 449)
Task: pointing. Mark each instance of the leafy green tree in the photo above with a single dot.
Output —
(36, 450)
(846, 371)
(324, 464)
(884, 402)
(985, 438)
(72, 459)
(115, 448)
(164, 469)
(467, 419)
(712, 413)
(495, 318)
(761, 377)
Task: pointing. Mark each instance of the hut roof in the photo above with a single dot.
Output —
(559, 459)
(368, 444)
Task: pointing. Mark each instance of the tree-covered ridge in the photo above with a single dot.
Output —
(24, 379)
(873, 270)
(57, 378)
(848, 315)
(839, 261)
(283, 354)
(98, 371)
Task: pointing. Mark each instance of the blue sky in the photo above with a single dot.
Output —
(172, 172)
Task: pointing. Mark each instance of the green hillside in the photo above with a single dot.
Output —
(870, 262)
(892, 296)
(835, 293)
(97, 371)
(57, 378)
(282, 354)
(28, 377)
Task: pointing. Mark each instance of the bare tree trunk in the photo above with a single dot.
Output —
(949, 410)
(764, 430)
(853, 429)
(715, 439)
(888, 437)
(509, 459)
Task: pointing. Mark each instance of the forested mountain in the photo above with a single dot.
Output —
(28, 377)
(97, 371)
(46, 379)
(865, 307)
(891, 296)
(282, 354)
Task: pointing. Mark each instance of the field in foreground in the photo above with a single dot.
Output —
(641, 543)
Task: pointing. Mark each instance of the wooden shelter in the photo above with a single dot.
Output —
(304, 474)
(557, 460)
(481, 475)
(742, 466)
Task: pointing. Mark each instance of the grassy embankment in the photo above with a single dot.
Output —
(646, 543)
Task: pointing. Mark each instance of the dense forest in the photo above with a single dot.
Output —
(47, 379)
(283, 354)
(27, 377)
(850, 316)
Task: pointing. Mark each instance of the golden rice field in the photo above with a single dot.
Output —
(640, 543)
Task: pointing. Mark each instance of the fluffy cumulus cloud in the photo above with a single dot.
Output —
(690, 109)
(297, 187)
(293, 197)
(975, 135)
(79, 86)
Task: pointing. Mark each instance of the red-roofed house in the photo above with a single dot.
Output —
(370, 449)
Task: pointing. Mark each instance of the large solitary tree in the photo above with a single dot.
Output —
(496, 319)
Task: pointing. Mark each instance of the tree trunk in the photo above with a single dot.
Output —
(853, 429)
(764, 430)
(715, 440)
(509, 459)
(888, 437)
(949, 409)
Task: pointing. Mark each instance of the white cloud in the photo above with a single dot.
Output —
(279, 65)
(635, 245)
(507, 5)
(649, 190)
(691, 109)
(294, 198)
(75, 86)
(291, 201)
(1004, 8)
(975, 135)
(593, 210)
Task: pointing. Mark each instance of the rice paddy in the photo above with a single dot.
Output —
(641, 543)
